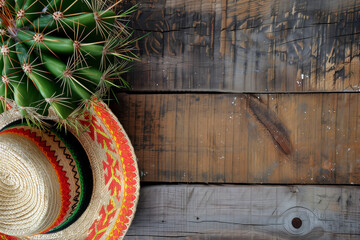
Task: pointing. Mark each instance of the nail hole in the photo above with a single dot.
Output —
(296, 223)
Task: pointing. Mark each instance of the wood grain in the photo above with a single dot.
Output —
(246, 212)
(244, 138)
(248, 46)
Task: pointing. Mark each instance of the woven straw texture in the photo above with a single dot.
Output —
(30, 193)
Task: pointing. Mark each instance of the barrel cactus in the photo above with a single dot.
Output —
(60, 54)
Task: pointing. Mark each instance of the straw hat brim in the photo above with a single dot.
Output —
(116, 179)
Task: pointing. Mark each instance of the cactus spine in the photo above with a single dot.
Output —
(59, 54)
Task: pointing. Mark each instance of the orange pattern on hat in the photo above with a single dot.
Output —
(7, 237)
(97, 132)
(114, 178)
(99, 227)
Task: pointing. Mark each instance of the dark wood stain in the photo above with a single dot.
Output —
(248, 46)
(274, 126)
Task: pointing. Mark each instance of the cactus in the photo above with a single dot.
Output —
(60, 54)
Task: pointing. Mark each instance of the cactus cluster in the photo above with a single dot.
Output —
(60, 54)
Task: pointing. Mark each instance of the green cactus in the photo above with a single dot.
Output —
(61, 53)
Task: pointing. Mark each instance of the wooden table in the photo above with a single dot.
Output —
(245, 119)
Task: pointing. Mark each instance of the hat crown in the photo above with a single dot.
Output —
(7, 179)
(30, 196)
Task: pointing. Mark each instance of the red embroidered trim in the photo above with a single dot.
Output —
(130, 179)
(7, 237)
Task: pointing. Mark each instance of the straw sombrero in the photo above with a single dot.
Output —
(73, 184)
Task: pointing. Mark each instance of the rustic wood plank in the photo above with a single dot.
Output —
(247, 212)
(248, 46)
(244, 138)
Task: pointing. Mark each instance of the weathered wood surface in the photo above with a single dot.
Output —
(246, 212)
(244, 138)
(248, 46)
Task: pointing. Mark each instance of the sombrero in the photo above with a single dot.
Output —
(74, 184)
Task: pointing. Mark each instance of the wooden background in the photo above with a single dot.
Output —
(249, 45)
(246, 212)
(245, 92)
